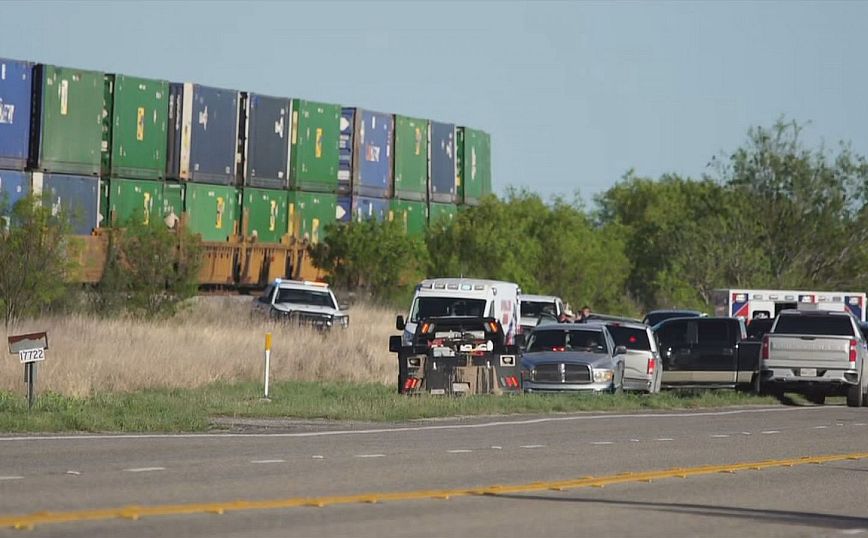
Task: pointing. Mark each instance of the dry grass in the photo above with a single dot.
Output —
(213, 340)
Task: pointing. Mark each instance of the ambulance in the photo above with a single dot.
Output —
(748, 304)
(439, 297)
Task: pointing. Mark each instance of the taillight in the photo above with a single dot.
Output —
(853, 344)
(510, 382)
(559, 348)
(650, 366)
(765, 348)
(412, 383)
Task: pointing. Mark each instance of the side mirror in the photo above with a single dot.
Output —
(395, 344)
(399, 323)
(620, 350)
(519, 340)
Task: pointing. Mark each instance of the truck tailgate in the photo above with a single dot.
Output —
(816, 351)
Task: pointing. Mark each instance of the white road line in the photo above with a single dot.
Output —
(370, 455)
(720, 435)
(144, 469)
(746, 433)
(76, 473)
(480, 425)
(532, 446)
(11, 477)
(858, 423)
(267, 461)
(318, 457)
(820, 427)
(602, 443)
(634, 440)
(665, 439)
(459, 451)
(769, 432)
(852, 532)
(495, 447)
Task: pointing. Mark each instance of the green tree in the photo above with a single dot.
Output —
(370, 255)
(810, 206)
(33, 258)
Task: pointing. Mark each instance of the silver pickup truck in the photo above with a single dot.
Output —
(816, 354)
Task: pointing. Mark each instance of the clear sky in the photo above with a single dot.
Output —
(574, 94)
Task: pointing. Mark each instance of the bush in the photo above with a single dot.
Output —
(150, 271)
(33, 258)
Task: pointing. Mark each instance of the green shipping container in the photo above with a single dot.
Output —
(68, 120)
(411, 158)
(135, 200)
(265, 212)
(413, 216)
(474, 165)
(212, 211)
(440, 214)
(315, 138)
(309, 214)
(134, 143)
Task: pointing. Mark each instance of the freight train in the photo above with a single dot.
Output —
(257, 177)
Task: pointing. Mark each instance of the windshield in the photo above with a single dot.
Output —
(534, 309)
(308, 297)
(433, 307)
(815, 325)
(573, 340)
(630, 338)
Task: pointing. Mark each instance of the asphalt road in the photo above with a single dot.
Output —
(85, 473)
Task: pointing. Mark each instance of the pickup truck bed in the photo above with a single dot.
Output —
(817, 354)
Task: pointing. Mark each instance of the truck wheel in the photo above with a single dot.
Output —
(855, 398)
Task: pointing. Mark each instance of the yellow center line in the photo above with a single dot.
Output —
(133, 512)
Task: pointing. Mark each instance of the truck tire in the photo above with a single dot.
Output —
(855, 397)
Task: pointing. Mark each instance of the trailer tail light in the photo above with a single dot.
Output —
(764, 353)
(651, 366)
(510, 381)
(853, 344)
(412, 383)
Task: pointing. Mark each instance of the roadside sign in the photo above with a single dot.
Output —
(30, 349)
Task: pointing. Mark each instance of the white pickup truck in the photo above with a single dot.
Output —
(816, 354)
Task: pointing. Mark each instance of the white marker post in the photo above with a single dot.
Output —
(267, 361)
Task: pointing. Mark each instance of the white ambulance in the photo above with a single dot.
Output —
(437, 297)
(749, 304)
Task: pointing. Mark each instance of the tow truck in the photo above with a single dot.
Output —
(458, 356)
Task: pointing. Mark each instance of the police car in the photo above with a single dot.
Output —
(303, 303)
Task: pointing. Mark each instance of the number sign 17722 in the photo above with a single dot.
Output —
(31, 355)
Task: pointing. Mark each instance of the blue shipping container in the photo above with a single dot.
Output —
(344, 208)
(266, 162)
(369, 208)
(372, 154)
(78, 196)
(441, 162)
(345, 150)
(14, 185)
(16, 85)
(203, 134)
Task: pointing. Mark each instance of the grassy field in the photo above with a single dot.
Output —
(196, 409)
(180, 374)
(214, 340)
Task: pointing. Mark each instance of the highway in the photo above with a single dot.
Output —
(297, 478)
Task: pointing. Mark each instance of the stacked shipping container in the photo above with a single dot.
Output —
(108, 148)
